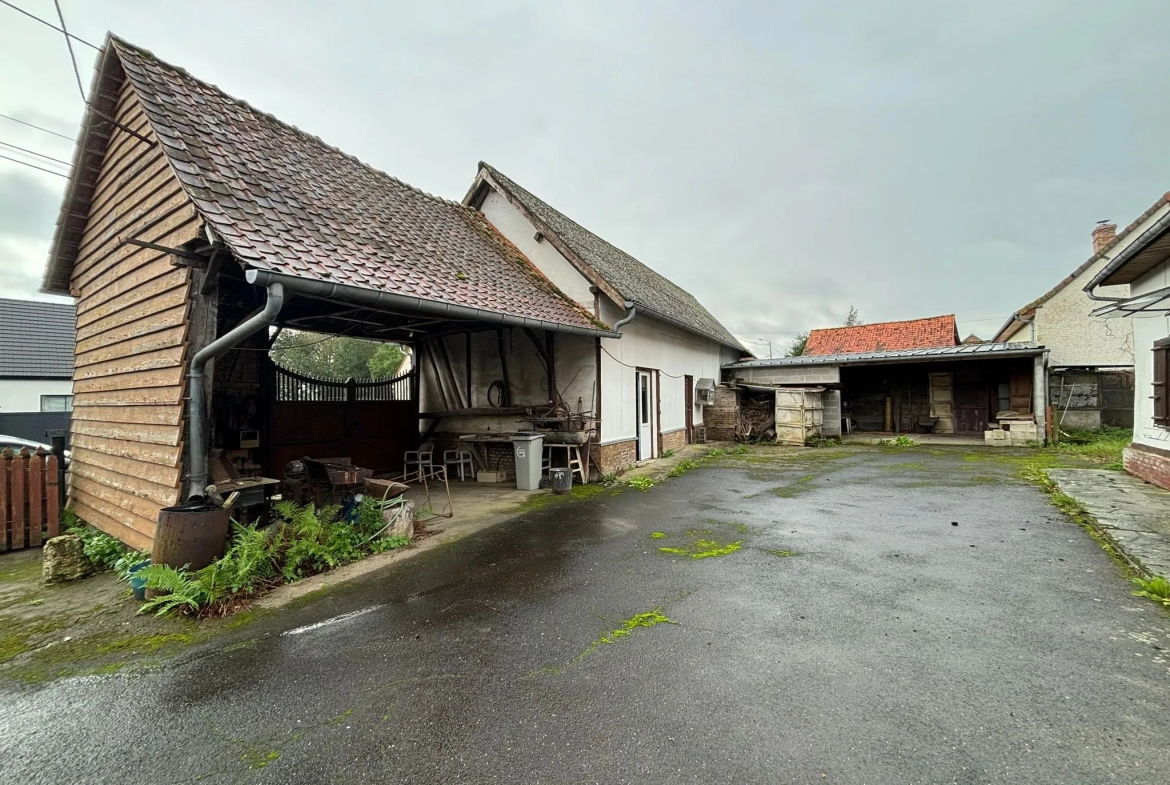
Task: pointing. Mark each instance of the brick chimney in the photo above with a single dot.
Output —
(1103, 234)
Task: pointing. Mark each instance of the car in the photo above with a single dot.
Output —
(16, 443)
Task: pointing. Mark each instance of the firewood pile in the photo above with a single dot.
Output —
(755, 420)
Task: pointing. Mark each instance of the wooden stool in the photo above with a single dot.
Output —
(572, 459)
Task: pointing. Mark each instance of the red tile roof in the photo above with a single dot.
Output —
(884, 336)
(286, 202)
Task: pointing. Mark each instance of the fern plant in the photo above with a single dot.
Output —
(178, 590)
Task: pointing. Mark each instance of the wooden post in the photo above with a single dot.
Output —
(19, 475)
(467, 358)
(5, 518)
(53, 494)
(554, 394)
(36, 497)
(504, 369)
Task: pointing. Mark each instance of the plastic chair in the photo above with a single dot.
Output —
(422, 460)
(461, 458)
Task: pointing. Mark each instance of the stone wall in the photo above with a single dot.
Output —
(1148, 463)
(675, 440)
(720, 416)
(617, 457)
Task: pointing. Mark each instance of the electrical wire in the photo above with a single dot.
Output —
(50, 24)
(30, 125)
(72, 55)
(33, 166)
(34, 152)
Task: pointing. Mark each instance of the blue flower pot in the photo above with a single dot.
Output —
(138, 585)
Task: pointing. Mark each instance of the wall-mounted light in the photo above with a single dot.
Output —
(538, 236)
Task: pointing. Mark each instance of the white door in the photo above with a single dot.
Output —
(643, 407)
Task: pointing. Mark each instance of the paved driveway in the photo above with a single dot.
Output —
(857, 635)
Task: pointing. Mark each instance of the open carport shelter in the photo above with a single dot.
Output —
(194, 226)
(947, 390)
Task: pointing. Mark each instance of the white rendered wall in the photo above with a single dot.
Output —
(575, 363)
(653, 345)
(1074, 338)
(24, 395)
(513, 225)
(1146, 330)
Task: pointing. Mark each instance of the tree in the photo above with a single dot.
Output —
(796, 348)
(853, 319)
(386, 361)
(334, 356)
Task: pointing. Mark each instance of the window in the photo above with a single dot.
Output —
(56, 403)
(1161, 409)
(644, 382)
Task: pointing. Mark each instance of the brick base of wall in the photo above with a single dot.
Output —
(617, 457)
(720, 417)
(675, 440)
(1149, 464)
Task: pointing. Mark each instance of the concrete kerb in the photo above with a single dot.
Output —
(1125, 511)
(451, 532)
(658, 468)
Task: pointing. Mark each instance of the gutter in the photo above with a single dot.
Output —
(407, 304)
(196, 394)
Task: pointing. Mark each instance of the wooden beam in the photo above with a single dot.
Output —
(438, 376)
(507, 401)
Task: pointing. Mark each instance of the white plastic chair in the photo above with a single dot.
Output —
(422, 460)
(462, 458)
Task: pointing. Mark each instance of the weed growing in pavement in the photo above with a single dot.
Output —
(668, 454)
(1034, 472)
(641, 483)
(899, 441)
(1156, 588)
(682, 467)
(705, 549)
(657, 535)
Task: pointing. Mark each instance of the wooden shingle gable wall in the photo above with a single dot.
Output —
(133, 314)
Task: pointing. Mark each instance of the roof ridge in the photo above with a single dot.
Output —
(893, 321)
(702, 323)
(142, 52)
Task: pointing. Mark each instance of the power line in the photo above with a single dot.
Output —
(32, 166)
(50, 24)
(34, 152)
(72, 56)
(30, 125)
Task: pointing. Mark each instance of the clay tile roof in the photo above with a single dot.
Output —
(929, 333)
(632, 279)
(286, 202)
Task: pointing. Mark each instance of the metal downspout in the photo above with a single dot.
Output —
(1031, 322)
(196, 398)
(631, 312)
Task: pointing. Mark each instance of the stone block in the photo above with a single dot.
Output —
(64, 560)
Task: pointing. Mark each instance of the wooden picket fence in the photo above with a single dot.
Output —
(30, 502)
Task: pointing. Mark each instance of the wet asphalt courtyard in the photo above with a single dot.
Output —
(855, 635)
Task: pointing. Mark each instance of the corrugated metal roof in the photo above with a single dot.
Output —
(965, 351)
(37, 339)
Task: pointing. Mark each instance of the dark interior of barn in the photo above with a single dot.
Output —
(909, 398)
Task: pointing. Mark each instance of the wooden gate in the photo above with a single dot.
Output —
(30, 509)
(971, 405)
(371, 423)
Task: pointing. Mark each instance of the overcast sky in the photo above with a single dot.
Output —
(780, 160)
